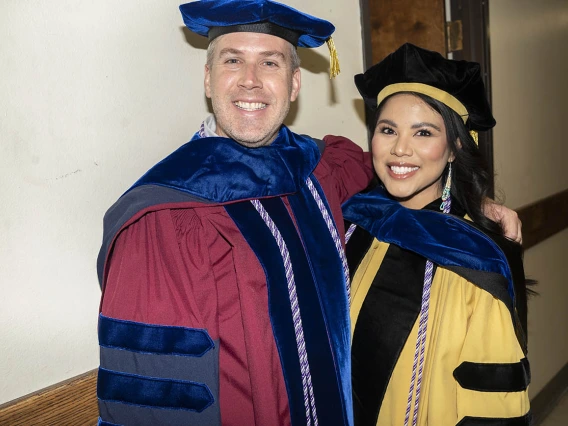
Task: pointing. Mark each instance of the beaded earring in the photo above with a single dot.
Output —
(446, 197)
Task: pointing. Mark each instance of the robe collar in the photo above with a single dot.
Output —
(220, 170)
(445, 239)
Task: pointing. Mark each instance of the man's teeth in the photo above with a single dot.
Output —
(250, 106)
(402, 170)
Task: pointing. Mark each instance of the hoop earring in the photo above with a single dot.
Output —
(446, 195)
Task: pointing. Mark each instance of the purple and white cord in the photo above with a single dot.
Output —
(334, 234)
(422, 327)
(309, 399)
(350, 232)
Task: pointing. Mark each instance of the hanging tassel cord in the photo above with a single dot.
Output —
(334, 68)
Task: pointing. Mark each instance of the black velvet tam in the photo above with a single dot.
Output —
(212, 18)
(412, 64)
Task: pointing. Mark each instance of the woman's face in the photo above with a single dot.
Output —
(410, 150)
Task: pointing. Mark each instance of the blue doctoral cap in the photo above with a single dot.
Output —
(212, 18)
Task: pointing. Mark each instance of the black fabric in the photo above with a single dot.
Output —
(412, 64)
(525, 420)
(357, 247)
(456, 209)
(387, 316)
(514, 253)
(320, 143)
(490, 377)
(259, 27)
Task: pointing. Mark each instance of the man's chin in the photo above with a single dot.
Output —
(253, 140)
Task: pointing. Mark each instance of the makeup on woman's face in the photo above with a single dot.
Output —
(410, 150)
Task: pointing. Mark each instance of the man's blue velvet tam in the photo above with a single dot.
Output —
(212, 18)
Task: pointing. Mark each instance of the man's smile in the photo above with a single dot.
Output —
(250, 106)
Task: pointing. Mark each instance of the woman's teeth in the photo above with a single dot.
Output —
(402, 170)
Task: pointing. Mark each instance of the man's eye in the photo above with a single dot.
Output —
(270, 64)
(232, 61)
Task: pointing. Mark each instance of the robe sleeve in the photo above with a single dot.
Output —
(492, 372)
(349, 167)
(159, 354)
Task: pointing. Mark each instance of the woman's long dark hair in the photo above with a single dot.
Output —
(470, 175)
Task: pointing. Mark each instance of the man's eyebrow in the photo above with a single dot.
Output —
(230, 51)
(269, 53)
(425, 124)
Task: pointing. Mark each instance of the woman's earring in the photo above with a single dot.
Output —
(446, 197)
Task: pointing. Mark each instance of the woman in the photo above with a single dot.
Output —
(438, 294)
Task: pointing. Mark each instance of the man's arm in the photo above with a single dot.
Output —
(350, 167)
(159, 360)
(509, 219)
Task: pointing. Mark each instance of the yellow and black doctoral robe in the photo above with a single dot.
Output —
(475, 369)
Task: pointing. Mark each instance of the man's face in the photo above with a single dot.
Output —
(251, 84)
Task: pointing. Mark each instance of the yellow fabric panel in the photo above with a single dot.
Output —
(465, 324)
(363, 278)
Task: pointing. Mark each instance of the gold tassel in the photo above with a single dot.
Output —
(334, 69)
(475, 136)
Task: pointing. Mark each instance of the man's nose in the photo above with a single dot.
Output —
(250, 78)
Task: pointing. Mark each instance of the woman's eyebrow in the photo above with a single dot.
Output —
(386, 121)
(425, 124)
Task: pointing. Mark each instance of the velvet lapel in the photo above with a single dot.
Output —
(321, 295)
(220, 170)
(445, 239)
(331, 287)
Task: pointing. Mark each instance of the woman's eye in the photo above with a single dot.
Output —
(387, 131)
(424, 133)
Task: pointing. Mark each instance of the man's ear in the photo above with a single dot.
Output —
(296, 84)
(207, 81)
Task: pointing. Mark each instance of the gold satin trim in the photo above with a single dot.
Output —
(363, 278)
(425, 89)
(334, 68)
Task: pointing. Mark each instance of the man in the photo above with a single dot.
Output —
(224, 293)
(223, 274)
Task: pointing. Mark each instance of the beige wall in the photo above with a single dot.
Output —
(91, 95)
(529, 61)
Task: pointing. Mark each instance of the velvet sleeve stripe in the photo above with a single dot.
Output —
(149, 338)
(488, 377)
(101, 422)
(204, 369)
(525, 420)
(152, 392)
(115, 413)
